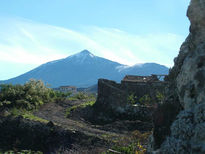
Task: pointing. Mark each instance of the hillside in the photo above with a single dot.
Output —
(83, 70)
(38, 118)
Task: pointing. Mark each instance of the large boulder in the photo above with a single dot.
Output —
(185, 133)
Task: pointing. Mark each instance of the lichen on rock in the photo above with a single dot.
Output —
(187, 85)
(182, 128)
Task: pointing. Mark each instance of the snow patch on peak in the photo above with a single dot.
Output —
(83, 54)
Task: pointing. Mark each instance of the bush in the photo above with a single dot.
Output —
(131, 99)
(29, 96)
(79, 96)
(160, 97)
(135, 143)
(61, 96)
(145, 100)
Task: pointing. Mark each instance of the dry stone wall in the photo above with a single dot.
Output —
(112, 102)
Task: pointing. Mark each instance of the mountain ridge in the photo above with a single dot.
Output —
(83, 70)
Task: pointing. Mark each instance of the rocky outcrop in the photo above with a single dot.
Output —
(19, 134)
(187, 91)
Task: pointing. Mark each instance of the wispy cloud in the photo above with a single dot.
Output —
(28, 42)
(160, 48)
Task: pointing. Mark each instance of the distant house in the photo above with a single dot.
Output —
(67, 89)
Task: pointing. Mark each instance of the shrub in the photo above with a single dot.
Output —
(60, 96)
(132, 144)
(79, 96)
(131, 99)
(130, 149)
(160, 97)
(29, 96)
(145, 100)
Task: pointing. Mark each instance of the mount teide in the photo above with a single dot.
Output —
(83, 70)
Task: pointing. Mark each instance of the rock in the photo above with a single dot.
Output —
(20, 133)
(187, 89)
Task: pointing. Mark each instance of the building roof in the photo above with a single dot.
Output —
(134, 78)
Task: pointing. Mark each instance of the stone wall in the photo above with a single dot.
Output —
(143, 88)
(112, 100)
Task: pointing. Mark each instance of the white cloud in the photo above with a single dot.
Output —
(160, 48)
(17, 54)
(24, 41)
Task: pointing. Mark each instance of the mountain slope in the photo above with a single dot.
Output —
(145, 69)
(83, 70)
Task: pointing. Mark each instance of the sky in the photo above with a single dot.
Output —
(33, 32)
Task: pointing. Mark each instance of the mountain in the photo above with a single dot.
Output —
(84, 69)
(144, 69)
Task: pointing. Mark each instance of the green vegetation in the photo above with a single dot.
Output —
(131, 99)
(133, 144)
(145, 100)
(81, 96)
(61, 96)
(23, 100)
(26, 114)
(80, 106)
(130, 149)
(29, 96)
(91, 99)
(160, 97)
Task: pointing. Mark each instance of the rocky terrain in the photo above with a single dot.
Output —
(111, 124)
(183, 131)
(65, 125)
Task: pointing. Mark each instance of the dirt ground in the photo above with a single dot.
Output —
(111, 133)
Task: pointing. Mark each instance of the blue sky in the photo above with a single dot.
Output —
(33, 32)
